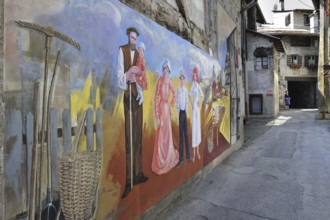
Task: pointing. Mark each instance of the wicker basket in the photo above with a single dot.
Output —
(78, 177)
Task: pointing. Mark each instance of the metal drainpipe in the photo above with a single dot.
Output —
(250, 5)
(326, 60)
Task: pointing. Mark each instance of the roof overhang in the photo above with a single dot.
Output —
(296, 10)
(276, 41)
(287, 32)
(260, 16)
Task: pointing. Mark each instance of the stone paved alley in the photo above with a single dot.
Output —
(281, 172)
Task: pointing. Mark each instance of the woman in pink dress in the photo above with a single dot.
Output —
(165, 156)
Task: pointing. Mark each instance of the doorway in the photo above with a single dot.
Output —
(302, 93)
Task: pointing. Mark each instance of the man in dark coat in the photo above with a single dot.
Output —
(127, 69)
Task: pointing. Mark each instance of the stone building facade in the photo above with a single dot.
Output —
(298, 70)
(262, 75)
(298, 66)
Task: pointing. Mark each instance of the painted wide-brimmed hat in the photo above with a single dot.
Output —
(196, 73)
(182, 75)
(167, 64)
(132, 29)
(195, 70)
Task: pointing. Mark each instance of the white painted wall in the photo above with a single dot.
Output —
(298, 20)
(279, 19)
(314, 23)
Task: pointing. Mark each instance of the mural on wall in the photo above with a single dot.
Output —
(165, 156)
(129, 69)
(126, 107)
(227, 60)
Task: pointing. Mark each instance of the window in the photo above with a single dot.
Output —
(306, 20)
(311, 61)
(315, 42)
(294, 60)
(300, 41)
(261, 63)
(256, 104)
(287, 20)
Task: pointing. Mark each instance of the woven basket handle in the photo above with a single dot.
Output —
(80, 127)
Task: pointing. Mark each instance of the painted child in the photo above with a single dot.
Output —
(182, 107)
(141, 79)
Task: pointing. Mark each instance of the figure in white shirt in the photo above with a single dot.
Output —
(182, 107)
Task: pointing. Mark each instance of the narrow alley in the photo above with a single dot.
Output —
(281, 172)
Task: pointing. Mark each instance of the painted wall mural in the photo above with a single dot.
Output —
(106, 111)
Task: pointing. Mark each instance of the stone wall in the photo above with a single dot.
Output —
(176, 16)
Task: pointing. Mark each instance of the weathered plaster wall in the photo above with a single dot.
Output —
(322, 81)
(261, 81)
(177, 16)
(299, 21)
(2, 199)
(276, 82)
(196, 13)
(285, 70)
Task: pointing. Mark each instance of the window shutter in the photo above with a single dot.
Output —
(299, 59)
(288, 59)
(306, 60)
(317, 60)
(265, 62)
